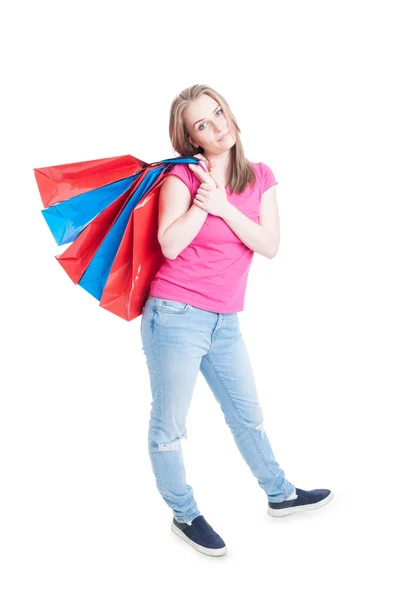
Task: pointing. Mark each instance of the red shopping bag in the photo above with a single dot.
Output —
(108, 210)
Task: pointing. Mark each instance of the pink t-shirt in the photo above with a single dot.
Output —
(212, 271)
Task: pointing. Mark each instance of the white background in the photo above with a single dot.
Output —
(312, 87)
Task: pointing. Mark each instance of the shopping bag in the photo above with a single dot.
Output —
(107, 211)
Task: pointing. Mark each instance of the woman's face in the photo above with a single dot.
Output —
(206, 124)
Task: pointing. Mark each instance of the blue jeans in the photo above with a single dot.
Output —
(178, 340)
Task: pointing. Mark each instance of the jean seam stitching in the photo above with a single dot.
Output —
(240, 416)
(159, 384)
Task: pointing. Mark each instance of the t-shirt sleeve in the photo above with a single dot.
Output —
(182, 171)
(267, 178)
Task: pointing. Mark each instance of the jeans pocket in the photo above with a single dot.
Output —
(172, 307)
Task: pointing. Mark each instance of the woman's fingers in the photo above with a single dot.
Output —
(201, 157)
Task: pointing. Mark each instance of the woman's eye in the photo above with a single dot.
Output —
(219, 110)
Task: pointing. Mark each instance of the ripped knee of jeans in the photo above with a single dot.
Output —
(173, 446)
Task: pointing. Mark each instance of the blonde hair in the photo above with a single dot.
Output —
(240, 172)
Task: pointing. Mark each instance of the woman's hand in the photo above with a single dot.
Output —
(211, 195)
(202, 159)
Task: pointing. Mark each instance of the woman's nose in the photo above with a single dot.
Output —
(221, 126)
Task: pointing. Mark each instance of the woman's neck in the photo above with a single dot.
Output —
(221, 163)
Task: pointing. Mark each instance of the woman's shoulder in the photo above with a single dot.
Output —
(259, 166)
(182, 171)
(264, 175)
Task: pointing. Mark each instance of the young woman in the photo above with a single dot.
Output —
(212, 218)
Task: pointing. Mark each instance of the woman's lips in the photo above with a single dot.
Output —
(224, 136)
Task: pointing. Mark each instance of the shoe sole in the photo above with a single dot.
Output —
(282, 512)
(198, 547)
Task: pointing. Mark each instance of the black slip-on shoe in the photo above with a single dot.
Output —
(310, 500)
(201, 536)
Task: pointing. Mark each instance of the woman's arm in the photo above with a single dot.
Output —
(262, 237)
(178, 225)
(181, 233)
